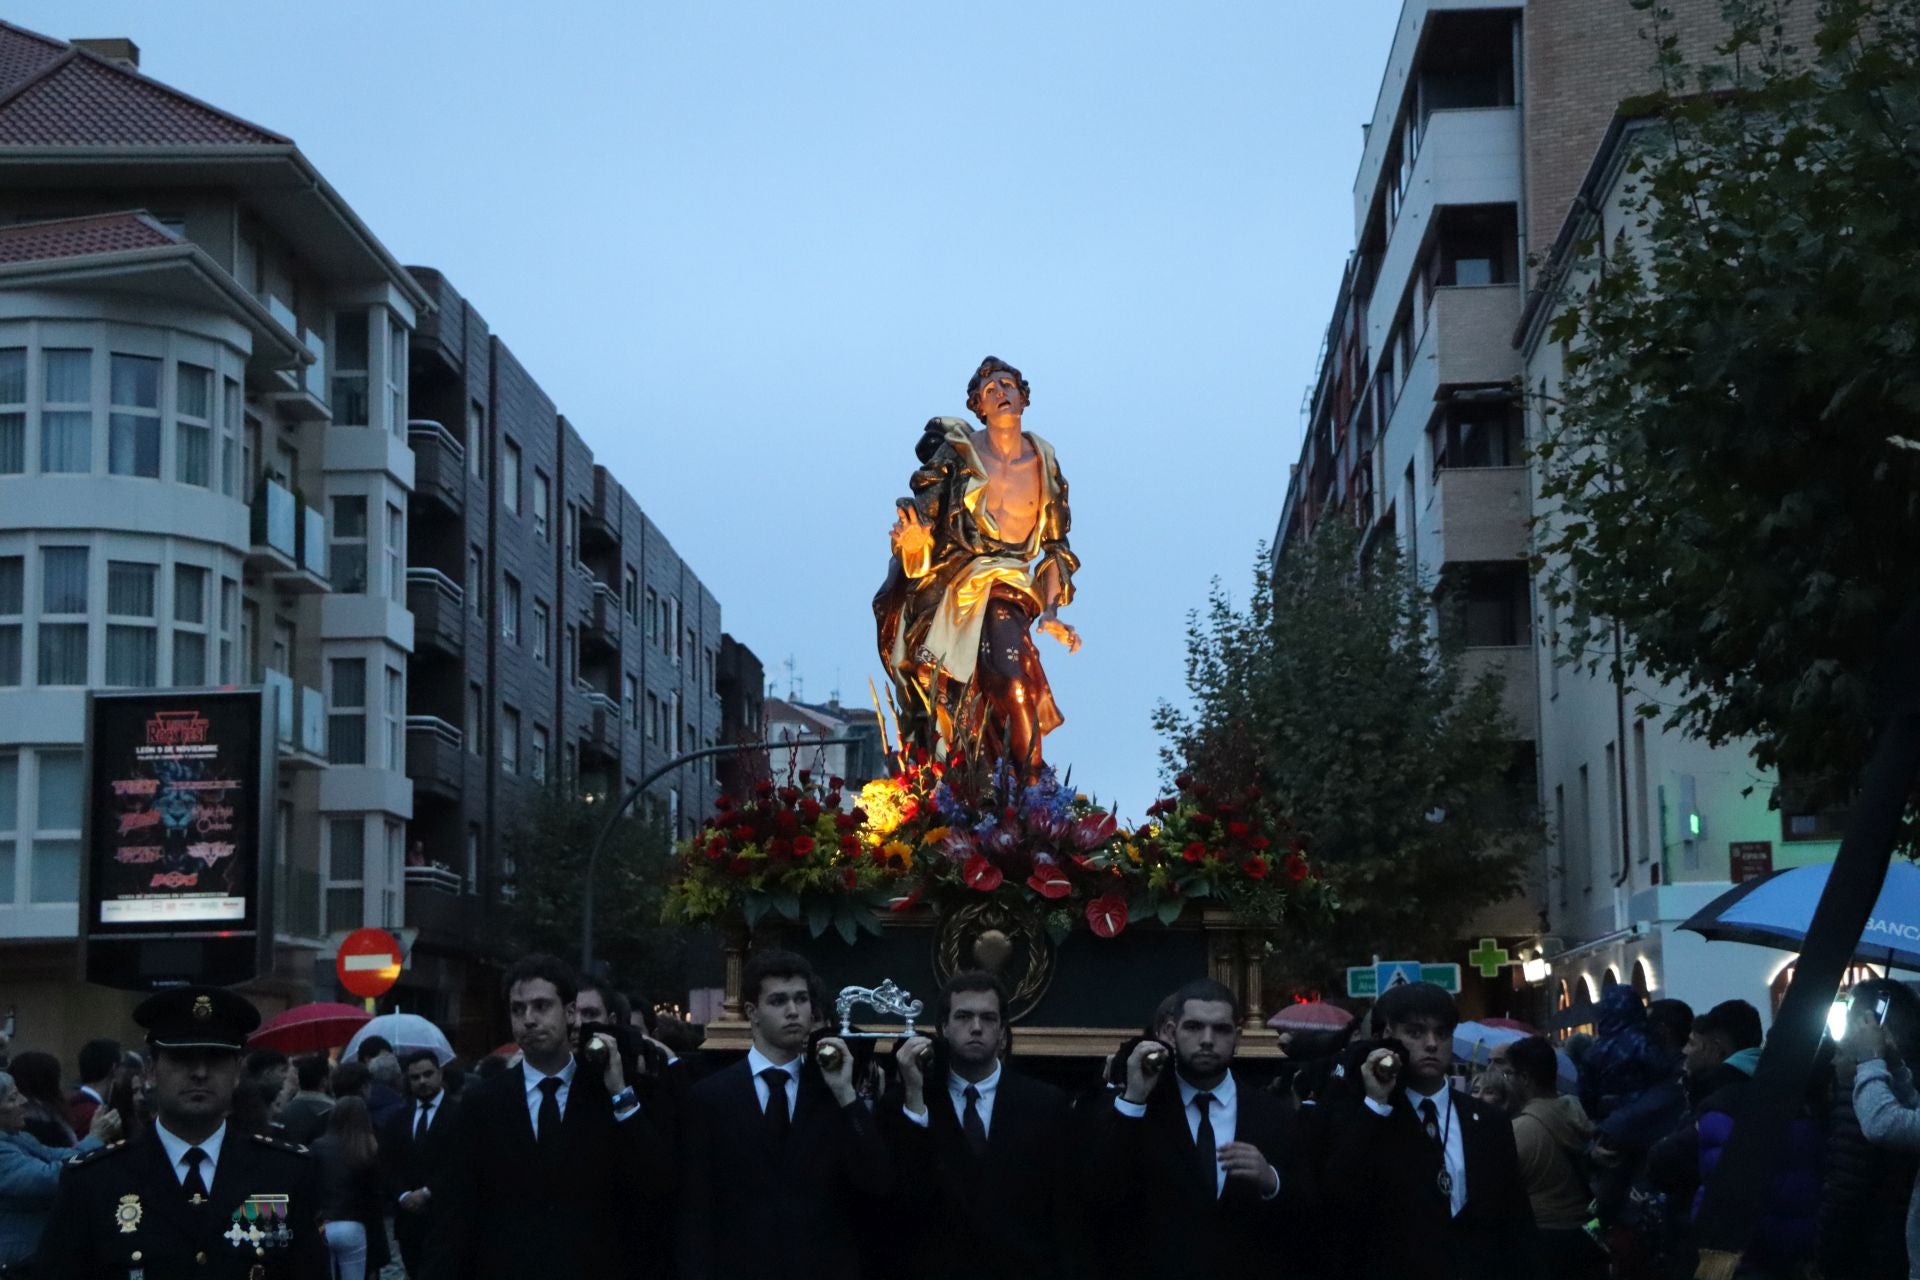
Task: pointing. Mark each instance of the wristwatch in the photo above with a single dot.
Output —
(625, 1098)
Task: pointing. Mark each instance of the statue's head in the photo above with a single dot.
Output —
(996, 380)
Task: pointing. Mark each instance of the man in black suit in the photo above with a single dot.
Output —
(413, 1149)
(781, 1164)
(551, 1167)
(1204, 1168)
(979, 1150)
(1429, 1175)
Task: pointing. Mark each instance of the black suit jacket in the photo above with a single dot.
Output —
(505, 1209)
(748, 1211)
(123, 1209)
(1181, 1225)
(1001, 1214)
(1381, 1172)
(407, 1165)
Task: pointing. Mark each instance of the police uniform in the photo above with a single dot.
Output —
(126, 1213)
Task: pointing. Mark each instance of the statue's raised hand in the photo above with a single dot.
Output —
(1060, 631)
(912, 540)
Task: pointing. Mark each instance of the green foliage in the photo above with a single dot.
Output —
(1332, 694)
(549, 849)
(1730, 472)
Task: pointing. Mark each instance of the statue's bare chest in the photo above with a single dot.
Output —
(1014, 492)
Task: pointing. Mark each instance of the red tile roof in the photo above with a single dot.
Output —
(77, 237)
(76, 99)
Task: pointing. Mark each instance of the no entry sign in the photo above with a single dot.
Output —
(368, 963)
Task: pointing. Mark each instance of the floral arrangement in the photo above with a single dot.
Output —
(946, 832)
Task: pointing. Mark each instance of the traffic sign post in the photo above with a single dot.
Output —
(1382, 975)
(368, 964)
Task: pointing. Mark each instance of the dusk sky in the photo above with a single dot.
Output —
(750, 248)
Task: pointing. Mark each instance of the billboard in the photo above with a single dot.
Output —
(178, 864)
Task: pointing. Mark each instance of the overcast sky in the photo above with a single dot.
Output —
(749, 248)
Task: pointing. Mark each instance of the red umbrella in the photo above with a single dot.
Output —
(1314, 1015)
(506, 1050)
(1510, 1024)
(309, 1028)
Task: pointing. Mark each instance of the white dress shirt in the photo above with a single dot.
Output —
(1224, 1112)
(177, 1148)
(758, 1062)
(534, 1097)
(957, 1090)
(1455, 1156)
(433, 1108)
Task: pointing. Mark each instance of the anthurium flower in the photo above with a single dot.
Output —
(1094, 830)
(1049, 881)
(981, 874)
(1107, 915)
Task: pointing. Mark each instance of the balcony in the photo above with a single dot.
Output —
(436, 877)
(601, 627)
(601, 736)
(303, 395)
(275, 529)
(446, 918)
(438, 605)
(299, 719)
(1477, 514)
(1520, 693)
(309, 576)
(440, 334)
(600, 519)
(1473, 334)
(436, 761)
(439, 466)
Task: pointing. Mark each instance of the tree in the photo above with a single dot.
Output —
(1333, 692)
(1731, 474)
(549, 850)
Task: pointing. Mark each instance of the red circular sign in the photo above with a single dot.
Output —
(368, 963)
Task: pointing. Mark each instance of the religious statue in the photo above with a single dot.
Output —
(980, 556)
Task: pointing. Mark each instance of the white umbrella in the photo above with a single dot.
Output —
(404, 1031)
(1474, 1042)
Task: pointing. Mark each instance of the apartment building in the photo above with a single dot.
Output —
(560, 641)
(1492, 138)
(204, 481)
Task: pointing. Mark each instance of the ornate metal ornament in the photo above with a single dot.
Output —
(887, 998)
(1005, 939)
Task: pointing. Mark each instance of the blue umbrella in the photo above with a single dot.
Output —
(1776, 910)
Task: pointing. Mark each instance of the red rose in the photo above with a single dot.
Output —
(1049, 881)
(833, 799)
(789, 794)
(763, 788)
(1201, 788)
(723, 803)
(785, 822)
(836, 782)
(849, 878)
(859, 815)
(806, 776)
(1107, 915)
(1166, 804)
(1184, 781)
(845, 822)
(1201, 820)
(739, 867)
(981, 874)
(850, 845)
(810, 808)
(1194, 852)
(1256, 868)
(1295, 866)
(802, 845)
(1258, 842)
(1239, 830)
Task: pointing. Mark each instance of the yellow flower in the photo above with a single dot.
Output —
(898, 849)
(1132, 851)
(936, 835)
(884, 800)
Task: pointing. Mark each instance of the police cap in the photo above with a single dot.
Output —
(197, 1018)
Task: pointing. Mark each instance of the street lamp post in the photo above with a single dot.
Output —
(633, 793)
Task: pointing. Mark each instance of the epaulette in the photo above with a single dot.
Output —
(279, 1144)
(88, 1157)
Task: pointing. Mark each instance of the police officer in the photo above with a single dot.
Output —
(193, 1196)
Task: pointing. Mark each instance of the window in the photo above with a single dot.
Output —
(66, 413)
(229, 607)
(396, 756)
(509, 740)
(133, 417)
(653, 614)
(230, 419)
(346, 873)
(473, 858)
(537, 761)
(9, 822)
(348, 550)
(476, 731)
(193, 425)
(476, 440)
(347, 714)
(477, 582)
(396, 554)
(690, 644)
(632, 595)
(349, 387)
(1802, 817)
(189, 625)
(395, 875)
(1478, 434)
(132, 634)
(54, 869)
(63, 616)
(542, 505)
(542, 629)
(13, 410)
(13, 610)
(571, 656)
(509, 608)
(1493, 605)
(510, 476)
(653, 718)
(630, 702)
(396, 378)
(570, 535)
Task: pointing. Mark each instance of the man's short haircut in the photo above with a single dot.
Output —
(1206, 991)
(259, 1062)
(1415, 1002)
(386, 1070)
(350, 1077)
(617, 1006)
(777, 964)
(1734, 1021)
(99, 1059)
(988, 367)
(535, 967)
(969, 980)
(1162, 1014)
(371, 1048)
(312, 1072)
(637, 1003)
(1534, 1061)
(412, 1056)
(1673, 1019)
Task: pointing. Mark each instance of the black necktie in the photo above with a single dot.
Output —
(971, 1124)
(549, 1134)
(195, 1185)
(778, 1118)
(1430, 1117)
(1205, 1146)
(420, 1124)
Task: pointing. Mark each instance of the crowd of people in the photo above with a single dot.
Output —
(606, 1144)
